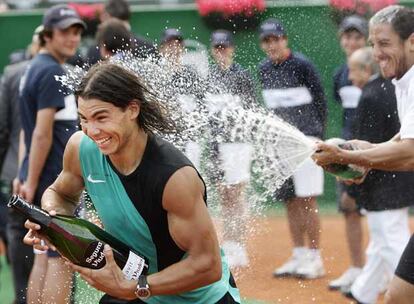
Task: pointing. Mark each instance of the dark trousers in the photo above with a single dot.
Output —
(20, 255)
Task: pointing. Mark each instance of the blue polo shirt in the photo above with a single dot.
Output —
(40, 89)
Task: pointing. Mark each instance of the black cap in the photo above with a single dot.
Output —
(171, 34)
(61, 17)
(354, 22)
(271, 27)
(222, 38)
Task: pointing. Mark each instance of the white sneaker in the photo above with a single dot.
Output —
(312, 268)
(346, 279)
(236, 254)
(290, 267)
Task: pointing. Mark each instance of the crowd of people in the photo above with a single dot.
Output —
(105, 138)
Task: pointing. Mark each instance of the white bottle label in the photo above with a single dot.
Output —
(133, 267)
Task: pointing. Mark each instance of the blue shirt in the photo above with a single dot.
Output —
(293, 91)
(40, 89)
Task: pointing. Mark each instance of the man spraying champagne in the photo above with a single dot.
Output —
(391, 34)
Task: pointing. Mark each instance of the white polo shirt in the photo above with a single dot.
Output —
(404, 90)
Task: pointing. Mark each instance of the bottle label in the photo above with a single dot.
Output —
(133, 267)
(94, 256)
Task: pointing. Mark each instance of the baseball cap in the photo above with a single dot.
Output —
(271, 27)
(354, 22)
(171, 34)
(61, 16)
(221, 37)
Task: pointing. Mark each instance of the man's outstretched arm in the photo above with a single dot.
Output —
(393, 155)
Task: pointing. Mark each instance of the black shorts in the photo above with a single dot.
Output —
(215, 173)
(286, 192)
(405, 268)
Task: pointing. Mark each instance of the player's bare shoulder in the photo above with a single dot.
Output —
(71, 155)
(183, 187)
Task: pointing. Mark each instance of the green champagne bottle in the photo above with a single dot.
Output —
(341, 170)
(80, 241)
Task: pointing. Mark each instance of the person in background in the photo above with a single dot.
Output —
(20, 255)
(49, 117)
(231, 86)
(119, 9)
(292, 90)
(172, 46)
(113, 38)
(183, 84)
(353, 32)
(385, 195)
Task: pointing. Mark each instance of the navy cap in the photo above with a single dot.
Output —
(222, 38)
(354, 22)
(61, 17)
(271, 27)
(171, 34)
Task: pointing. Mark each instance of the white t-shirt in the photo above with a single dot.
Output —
(404, 90)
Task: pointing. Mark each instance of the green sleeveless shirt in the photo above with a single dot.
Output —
(141, 222)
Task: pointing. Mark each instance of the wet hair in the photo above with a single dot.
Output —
(118, 9)
(399, 17)
(114, 84)
(114, 36)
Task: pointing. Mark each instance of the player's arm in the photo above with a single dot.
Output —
(63, 195)
(193, 231)
(191, 227)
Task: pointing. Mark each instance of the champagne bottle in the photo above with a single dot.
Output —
(342, 170)
(80, 241)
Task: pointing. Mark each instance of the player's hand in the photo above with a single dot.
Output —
(35, 238)
(109, 279)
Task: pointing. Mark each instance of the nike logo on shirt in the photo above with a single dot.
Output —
(94, 181)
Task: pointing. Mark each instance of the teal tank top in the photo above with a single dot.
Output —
(130, 208)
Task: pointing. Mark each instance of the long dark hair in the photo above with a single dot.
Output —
(112, 83)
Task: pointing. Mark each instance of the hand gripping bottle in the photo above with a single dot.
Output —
(342, 170)
(80, 241)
